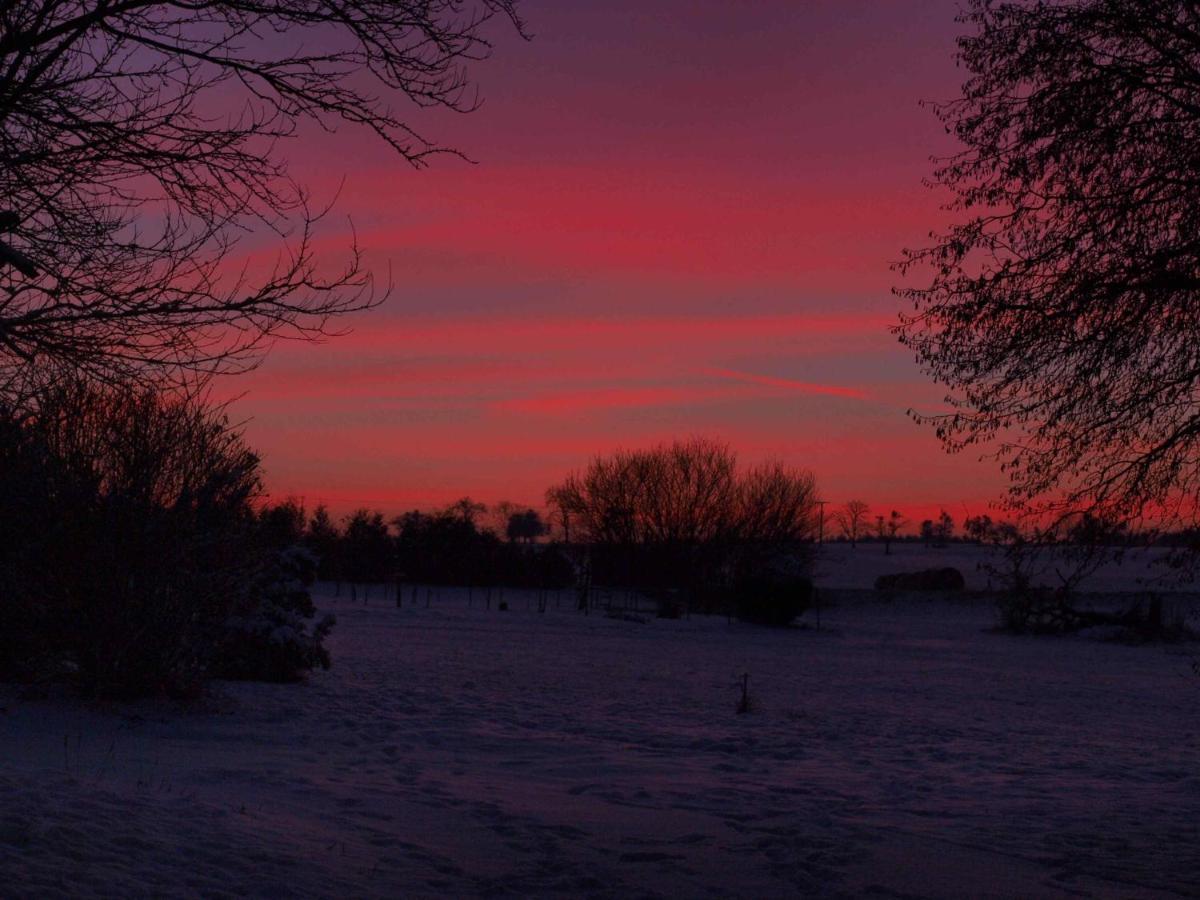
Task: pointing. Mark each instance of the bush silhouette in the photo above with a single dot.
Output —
(129, 539)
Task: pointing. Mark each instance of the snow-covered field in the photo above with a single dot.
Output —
(901, 751)
(840, 565)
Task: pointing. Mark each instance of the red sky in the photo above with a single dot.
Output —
(680, 222)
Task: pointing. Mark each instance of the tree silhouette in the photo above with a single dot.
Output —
(681, 514)
(140, 139)
(559, 499)
(445, 548)
(368, 554)
(281, 525)
(943, 528)
(927, 531)
(526, 526)
(979, 528)
(852, 519)
(128, 537)
(776, 507)
(679, 493)
(1061, 309)
(324, 539)
(888, 528)
(466, 510)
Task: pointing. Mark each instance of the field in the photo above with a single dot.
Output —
(840, 566)
(902, 750)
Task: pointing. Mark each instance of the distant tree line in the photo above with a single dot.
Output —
(678, 521)
(450, 546)
(855, 523)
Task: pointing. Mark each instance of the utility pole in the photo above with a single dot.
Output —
(821, 525)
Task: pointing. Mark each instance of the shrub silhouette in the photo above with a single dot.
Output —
(683, 516)
(772, 600)
(129, 538)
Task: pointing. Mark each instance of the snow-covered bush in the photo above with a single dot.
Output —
(125, 512)
(270, 638)
(129, 547)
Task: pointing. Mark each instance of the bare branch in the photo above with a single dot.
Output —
(140, 143)
(1062, 310)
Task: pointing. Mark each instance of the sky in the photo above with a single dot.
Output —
(679, 220)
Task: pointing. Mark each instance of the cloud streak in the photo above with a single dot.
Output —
(790, 384)
(647, 249)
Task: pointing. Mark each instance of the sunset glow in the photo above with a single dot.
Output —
(648, 245)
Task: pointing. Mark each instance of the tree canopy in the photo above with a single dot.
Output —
(684, 511)
(1062, 307)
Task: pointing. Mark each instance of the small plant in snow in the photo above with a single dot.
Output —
(746, 702)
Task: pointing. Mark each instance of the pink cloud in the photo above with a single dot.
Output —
(583, 402)
(509, 334)
(803, 387)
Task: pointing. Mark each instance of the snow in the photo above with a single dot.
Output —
(839, 565)
(902, 750)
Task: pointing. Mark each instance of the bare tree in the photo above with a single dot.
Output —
(777, 506)
(943, 529)
(685, 491)
(686, 506)
(140, 140)
(852, 519)
(1041, 571)
(559, 501)
(466, 510)
(1061, 308)
(979, 528)
(888, 528)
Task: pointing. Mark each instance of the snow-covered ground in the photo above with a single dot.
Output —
(839, 565)
(901, 751)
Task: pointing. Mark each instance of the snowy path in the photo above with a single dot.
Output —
(900, 752)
